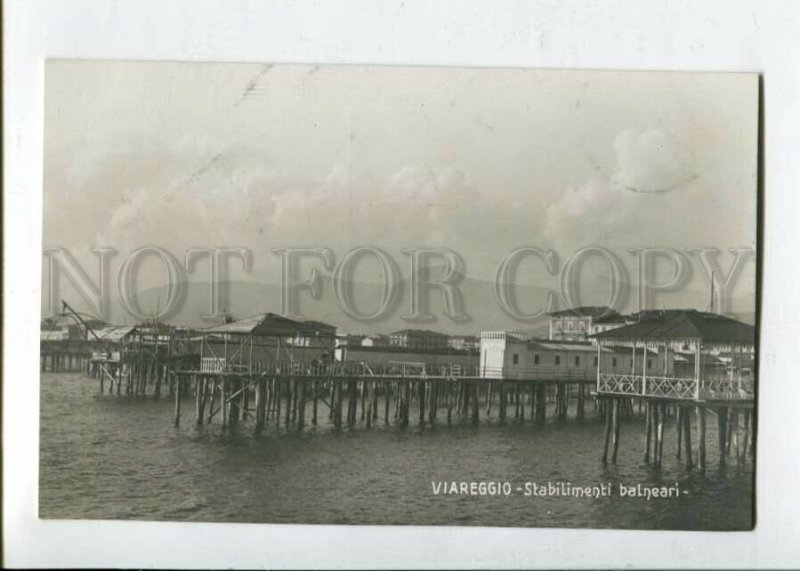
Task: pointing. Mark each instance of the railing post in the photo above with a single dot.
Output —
(644, 369)
(697, 372)
(598, 367)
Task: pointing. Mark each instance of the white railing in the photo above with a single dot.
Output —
(727, 388)
(712, 388)
(212, 364)
(538, 373)
(620, 384)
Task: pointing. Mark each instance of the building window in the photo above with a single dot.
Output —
(516, 359)
(558, 359)
(577, 361)
(649, 363)
(614, 362)
(569, 326)
(595, 361)
(536, 359)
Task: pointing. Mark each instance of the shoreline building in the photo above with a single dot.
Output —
(577, 323)
(375, 340)
(401, 360)
(463, 342)
(504, 355)
(418, 339)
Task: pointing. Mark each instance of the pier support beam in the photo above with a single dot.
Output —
(615, 429)
(421, 399)
(648, 430)
(199, 399)
(607, 436)
(178, 402)
(260, 405)
(700, 412)
(475, 418)
(502, 413)
(722, 433)
(687, 435)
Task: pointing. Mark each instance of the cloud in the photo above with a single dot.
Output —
(651, 162)
(193, 193)
(649, 198)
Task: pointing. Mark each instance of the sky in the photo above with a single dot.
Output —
(479, 161)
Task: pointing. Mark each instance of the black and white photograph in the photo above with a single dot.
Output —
(400, 285)
(399, 295)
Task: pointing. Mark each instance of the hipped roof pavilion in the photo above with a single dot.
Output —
(682, 326)
(114, 333)
(272, 325)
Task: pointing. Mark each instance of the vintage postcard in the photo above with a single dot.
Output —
(325, 294)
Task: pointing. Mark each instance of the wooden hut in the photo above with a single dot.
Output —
(236, 346)
(112, 342)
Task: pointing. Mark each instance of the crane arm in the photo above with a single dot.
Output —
(67, 307)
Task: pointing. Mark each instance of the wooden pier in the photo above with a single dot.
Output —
(355, 393)
(64, 356)
(269, 370)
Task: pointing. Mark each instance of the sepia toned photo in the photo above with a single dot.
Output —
(321, 294)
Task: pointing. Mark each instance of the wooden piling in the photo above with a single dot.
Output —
(178, 403)
(421, 398)
(404, 404)
(213, 391)
(362, 393)
(199, 386)
(607, 434)
(648, 430)
(432, 390)
(503, 403)
(260, 404)
(687, 435)
(337, 403)
(532, 399)
(615, 429)
(734, 429)
(722, 432)
(449, 397)
(563, 398)
(747, 436)
(223, 402)
(700, 413)
(662, 413)
(301, 405)
(474, 397)
(386, 398)
(541, 401)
